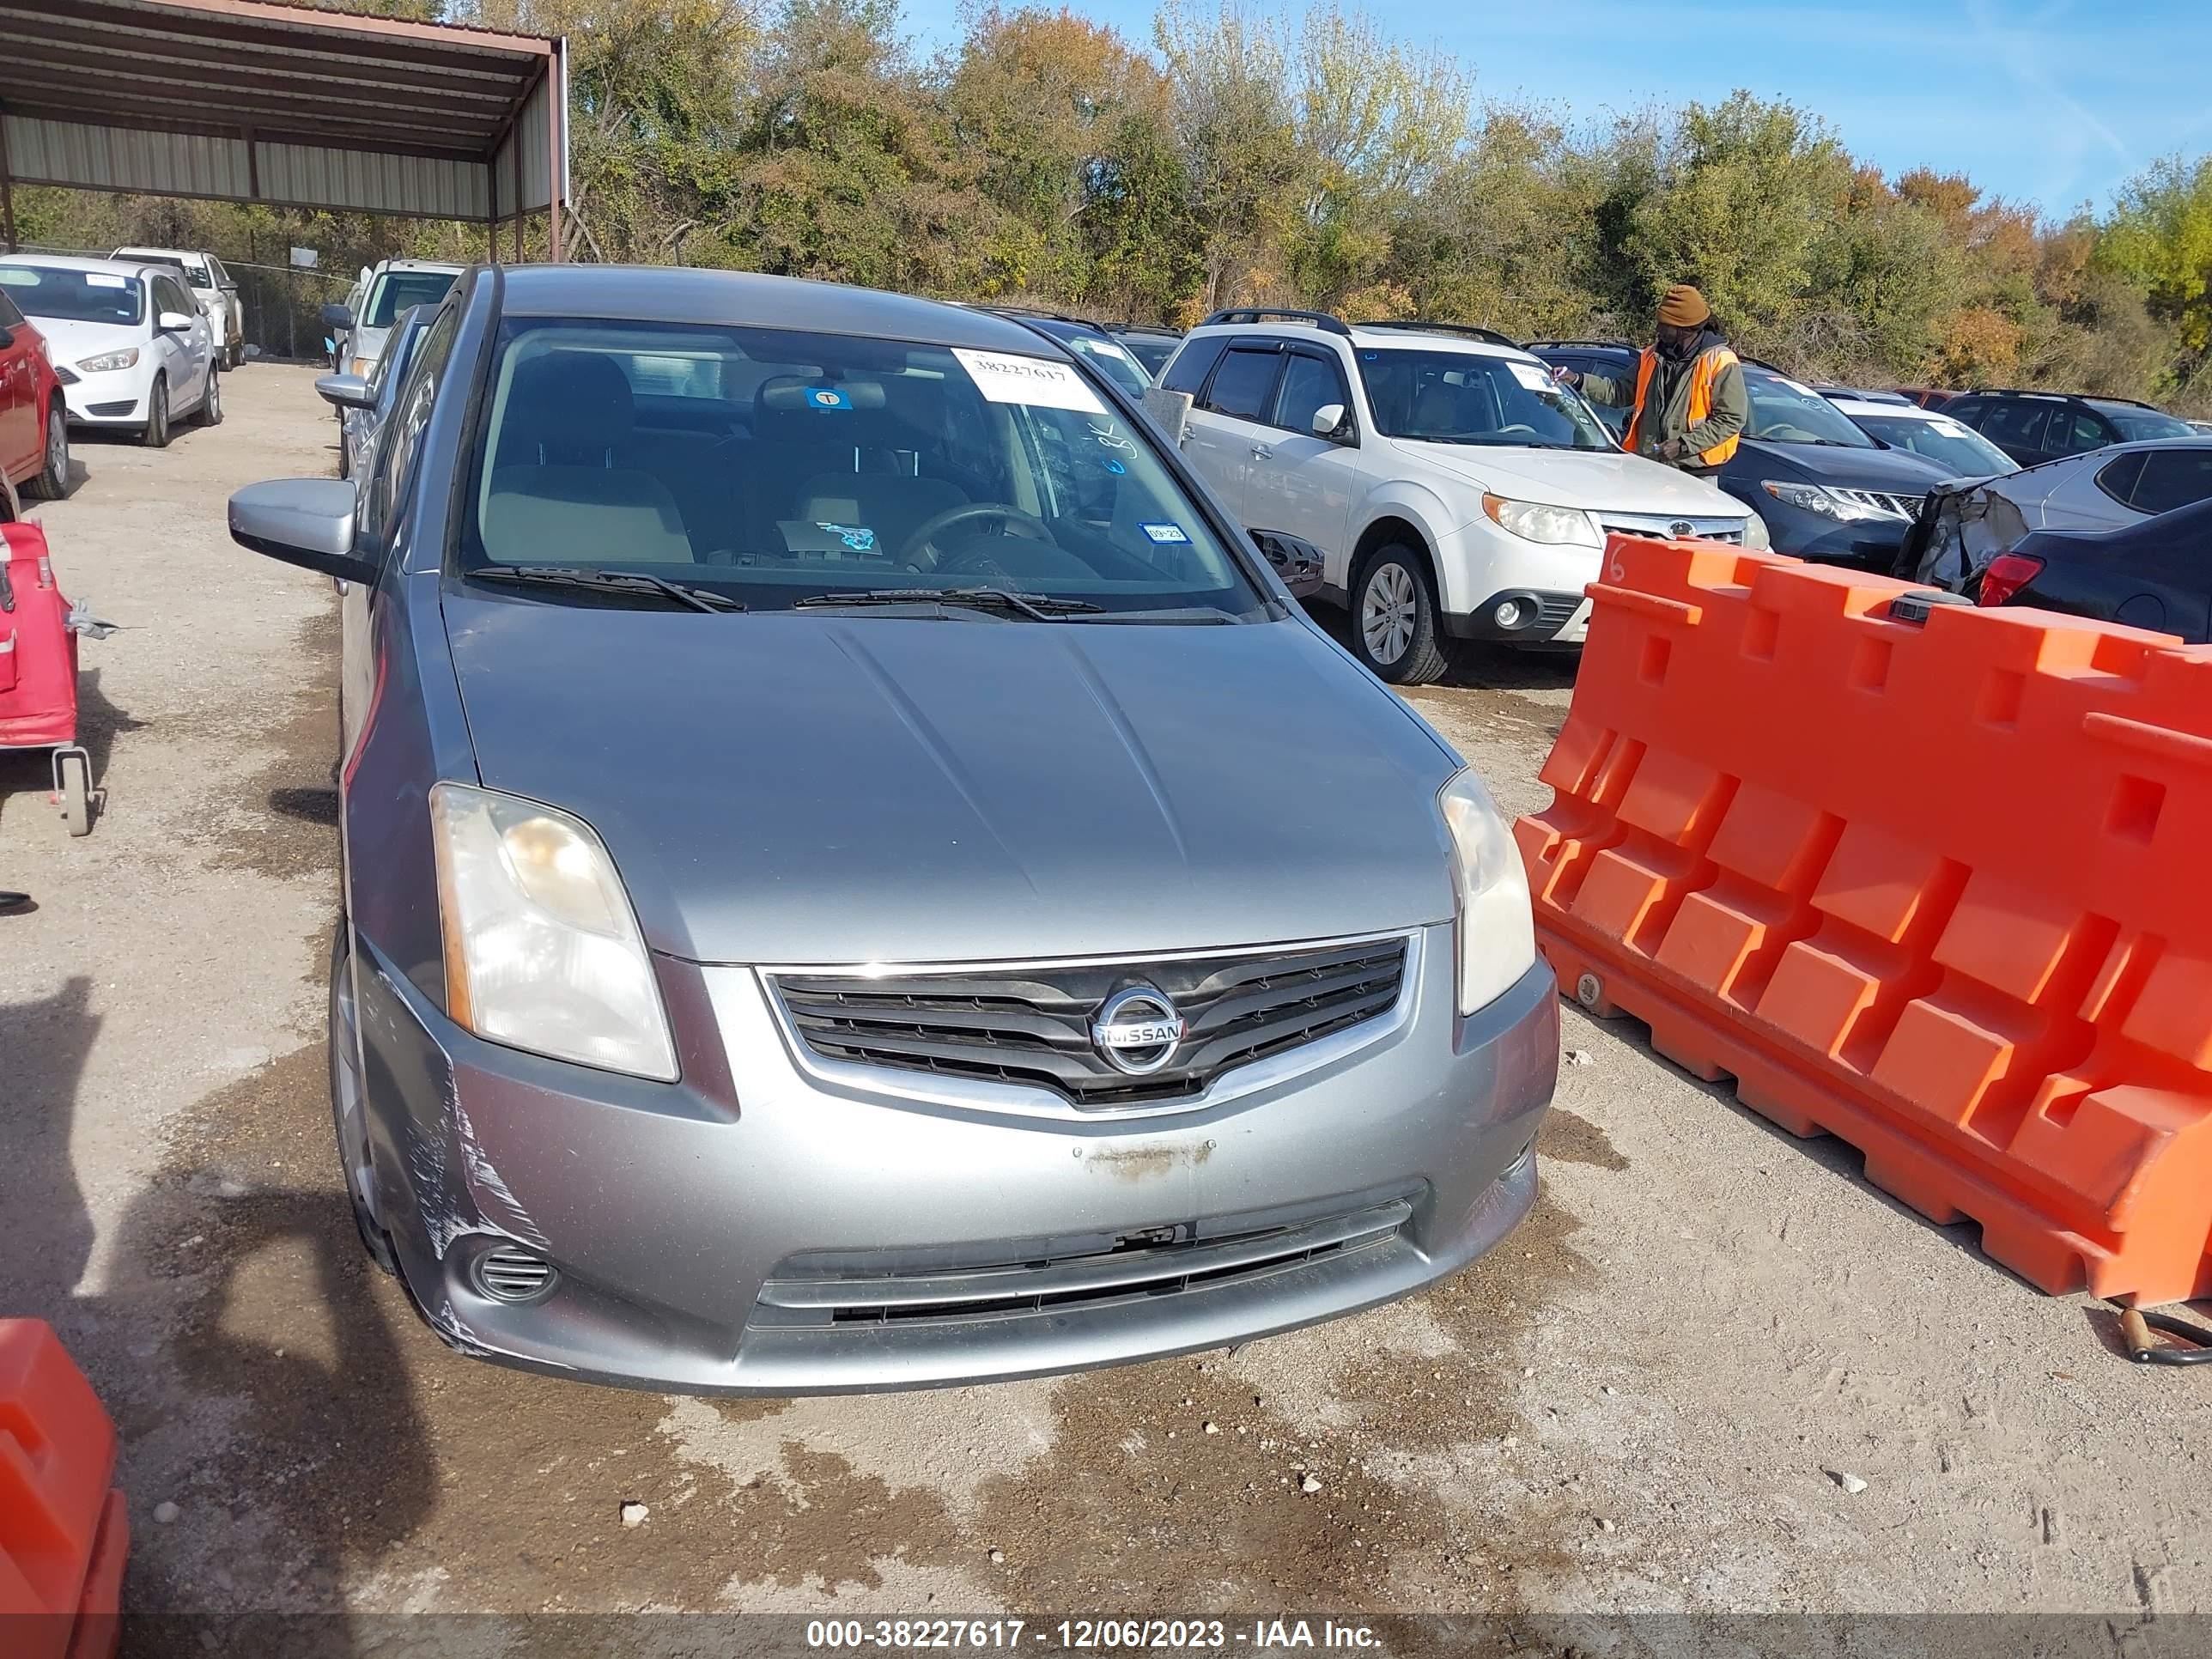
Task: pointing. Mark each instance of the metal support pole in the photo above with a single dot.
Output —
(7, 189)
(514, 156)
(557, 120)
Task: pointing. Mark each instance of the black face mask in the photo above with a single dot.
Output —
(1681, 346)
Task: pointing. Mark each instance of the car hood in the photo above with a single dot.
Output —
(71, 342)
(1891, 471)
(1599, 480)
(804, 788)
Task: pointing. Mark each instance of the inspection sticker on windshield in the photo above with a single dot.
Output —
(1534, 378)
(1006, 377)
(859, 538)
(1167, 535)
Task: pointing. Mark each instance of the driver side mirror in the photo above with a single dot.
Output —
(308, 522)
(336, 317)
(1332, 422)
(175, 322)
(345, 391)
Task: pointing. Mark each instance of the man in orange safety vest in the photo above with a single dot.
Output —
(1688, 404)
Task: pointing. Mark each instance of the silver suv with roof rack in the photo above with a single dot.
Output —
(1450, 488)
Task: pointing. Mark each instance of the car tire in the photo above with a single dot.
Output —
(344, 1077)
(211, 410)
(1395, 618)
(50, 482)
(155, 433)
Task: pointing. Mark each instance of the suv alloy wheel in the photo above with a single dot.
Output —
(1394, 617)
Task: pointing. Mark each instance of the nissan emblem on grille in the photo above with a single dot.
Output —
(1136, 1030)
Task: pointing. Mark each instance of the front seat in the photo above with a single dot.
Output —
(557, 495)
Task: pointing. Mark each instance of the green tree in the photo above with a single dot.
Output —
(2158, 239)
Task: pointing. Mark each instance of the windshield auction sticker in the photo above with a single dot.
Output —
(1006, 377)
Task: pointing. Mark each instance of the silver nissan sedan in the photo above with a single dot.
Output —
(857, 877)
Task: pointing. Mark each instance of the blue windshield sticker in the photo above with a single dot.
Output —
(1115, 466)
(1165, 534)
(827, 398)
(859, 538)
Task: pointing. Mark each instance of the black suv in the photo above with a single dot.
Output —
(2042, 426)
(1826, 489)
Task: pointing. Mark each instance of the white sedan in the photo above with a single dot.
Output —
(130, 347)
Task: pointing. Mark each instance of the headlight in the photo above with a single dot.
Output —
(1534, 522)
(1755, 536)
(1496, 933)
(542, 949)
(124, 359)
(1818, 498)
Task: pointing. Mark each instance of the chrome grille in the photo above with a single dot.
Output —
(847, 1288)
(1032, 1024)
(1661, 525)
(1882, 502)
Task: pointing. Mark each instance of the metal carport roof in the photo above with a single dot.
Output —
(254, 101)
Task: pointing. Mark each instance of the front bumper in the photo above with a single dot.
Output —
(718, 1235)
(1862, 543)
(114, 399)
(1480, 566)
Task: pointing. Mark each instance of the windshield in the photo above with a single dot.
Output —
(1112, 361)
(773, 466)
(75, 296)
(195, 272)
(1785, 412)
(1463, 398)
(1960, 448)
(2137, 423)
(1152, 350)
(396, 290)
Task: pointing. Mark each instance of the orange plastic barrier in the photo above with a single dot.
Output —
(1943, 890)
(63, 1534)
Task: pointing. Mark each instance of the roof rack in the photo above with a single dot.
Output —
(1320, 319)
(1616, 345)
(1036, 311)
(1490, 335)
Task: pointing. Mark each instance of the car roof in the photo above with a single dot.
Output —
(383, 266)
(1857, 406)
(76, 262)
(1357, 335)
(148, 247)
(668, 293)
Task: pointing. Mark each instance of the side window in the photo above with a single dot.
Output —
(2171, 478)
(2019, 424)
(2117, 479)
(1310, 382)
(1241, 386)
(391, 470)
(2073, 431)
(1967, 411)
(1193, 363)
(9, 317)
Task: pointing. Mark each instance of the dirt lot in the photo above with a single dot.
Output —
(1648, 1401)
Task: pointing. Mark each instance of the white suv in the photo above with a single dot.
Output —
(1450, 487)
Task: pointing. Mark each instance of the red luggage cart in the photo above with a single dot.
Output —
(37, 669)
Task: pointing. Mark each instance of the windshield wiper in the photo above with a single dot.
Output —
(615, 581)
(1038, 607)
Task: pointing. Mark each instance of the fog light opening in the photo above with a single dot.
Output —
(509, 1273)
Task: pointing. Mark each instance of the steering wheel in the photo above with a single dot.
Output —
(921, 553)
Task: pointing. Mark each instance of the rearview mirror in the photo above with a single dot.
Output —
(338, 317)
(1328, 420)
(308, 522)
(345, 391)
(175, 322)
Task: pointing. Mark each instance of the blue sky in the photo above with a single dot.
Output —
(2054, 103)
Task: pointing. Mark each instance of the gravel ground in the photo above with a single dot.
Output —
(1662, 1396)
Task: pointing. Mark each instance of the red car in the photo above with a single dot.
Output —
(34, 420)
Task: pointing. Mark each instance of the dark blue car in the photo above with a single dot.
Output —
(1826, 490)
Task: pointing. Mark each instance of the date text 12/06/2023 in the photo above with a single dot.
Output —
(1092, 1635)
